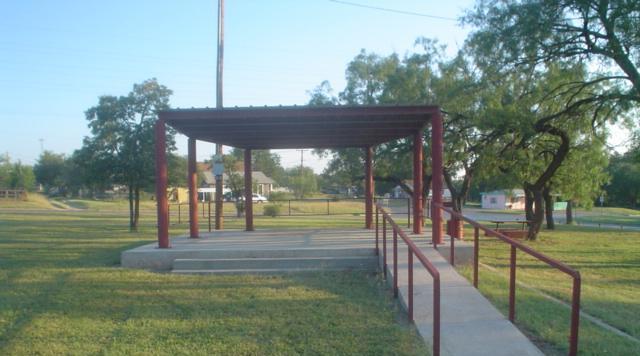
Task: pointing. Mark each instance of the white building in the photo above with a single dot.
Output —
(503, 199)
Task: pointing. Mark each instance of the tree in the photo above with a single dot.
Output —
(302, 180)
(624, 186)
(5, 170)
(21, 177)
(234, 181)
(529, 33)
(50, 171)
(177, 170)
(580, 179)
(264, 161)
(122, 148)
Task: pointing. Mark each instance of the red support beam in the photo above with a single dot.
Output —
(192, 178)
(161, 184)
(437, 169)
(248, 191)
(368, 188)
(417, 182)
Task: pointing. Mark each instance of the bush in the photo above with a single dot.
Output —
(272, 210)
(280, 196)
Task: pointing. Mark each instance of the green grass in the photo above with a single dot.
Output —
(62, 292)
(33, 201)
(610, 268)
(609, 216)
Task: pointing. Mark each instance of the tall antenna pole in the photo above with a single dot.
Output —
(301, 168)
(219, 181)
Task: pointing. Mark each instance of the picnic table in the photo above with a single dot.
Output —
(500, 222)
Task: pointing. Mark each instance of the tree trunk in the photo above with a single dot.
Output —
(528, 203)
(131, 208)
(136, 213)
(569, 212)
(456, 198)
(548, 208)
(538, 214)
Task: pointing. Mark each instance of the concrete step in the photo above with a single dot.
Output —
(255, 271)
(343, 262)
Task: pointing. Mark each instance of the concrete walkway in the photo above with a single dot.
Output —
(470, 325)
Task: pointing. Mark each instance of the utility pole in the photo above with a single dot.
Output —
(41, 144)
(219, 180)
(301, 168)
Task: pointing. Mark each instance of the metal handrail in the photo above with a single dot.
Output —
(517, 245)
(412, 250)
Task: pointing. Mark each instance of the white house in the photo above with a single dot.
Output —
(503, 199)
(263, 184)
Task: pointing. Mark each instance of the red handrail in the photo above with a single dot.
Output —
(412, 250)
(517, 245)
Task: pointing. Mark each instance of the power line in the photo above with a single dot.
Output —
(402, 12)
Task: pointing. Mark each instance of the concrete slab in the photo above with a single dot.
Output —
(470, 324)
(255, 244)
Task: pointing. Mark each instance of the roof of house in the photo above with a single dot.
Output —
(513, 192)
(301, 126)
(257, 176)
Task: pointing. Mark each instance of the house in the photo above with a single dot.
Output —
(503, 199)
(263, 185)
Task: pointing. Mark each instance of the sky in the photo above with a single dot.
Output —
(58, 57)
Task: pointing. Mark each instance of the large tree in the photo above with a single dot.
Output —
(624, 187)
(50, 171)
(122, 146)
(525, 34)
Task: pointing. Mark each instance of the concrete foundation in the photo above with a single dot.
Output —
(264, 244)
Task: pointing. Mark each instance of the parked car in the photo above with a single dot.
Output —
(257, 198)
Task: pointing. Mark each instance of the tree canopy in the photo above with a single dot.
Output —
(121, 147)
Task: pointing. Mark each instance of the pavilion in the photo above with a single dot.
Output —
(280, 127)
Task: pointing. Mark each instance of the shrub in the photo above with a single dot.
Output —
(272, 210)
(280, 196)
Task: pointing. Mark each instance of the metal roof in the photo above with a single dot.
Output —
(300, 126)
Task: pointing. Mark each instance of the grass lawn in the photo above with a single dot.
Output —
(609, 263)
(609, 216)
(62, 292)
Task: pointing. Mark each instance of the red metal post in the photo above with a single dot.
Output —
(368, 188)
(410, 286)
(377, 217)
(575, 316)
(436, 181)
(161, 184)
(452, 252)
(384, 246)
(476, 255)
(193, 189)
(408, 212)
(436, 315)
(248, 191)
(417, 182)
(395, 263)
(512, 285)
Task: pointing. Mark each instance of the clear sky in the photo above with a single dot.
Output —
(58, 57)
